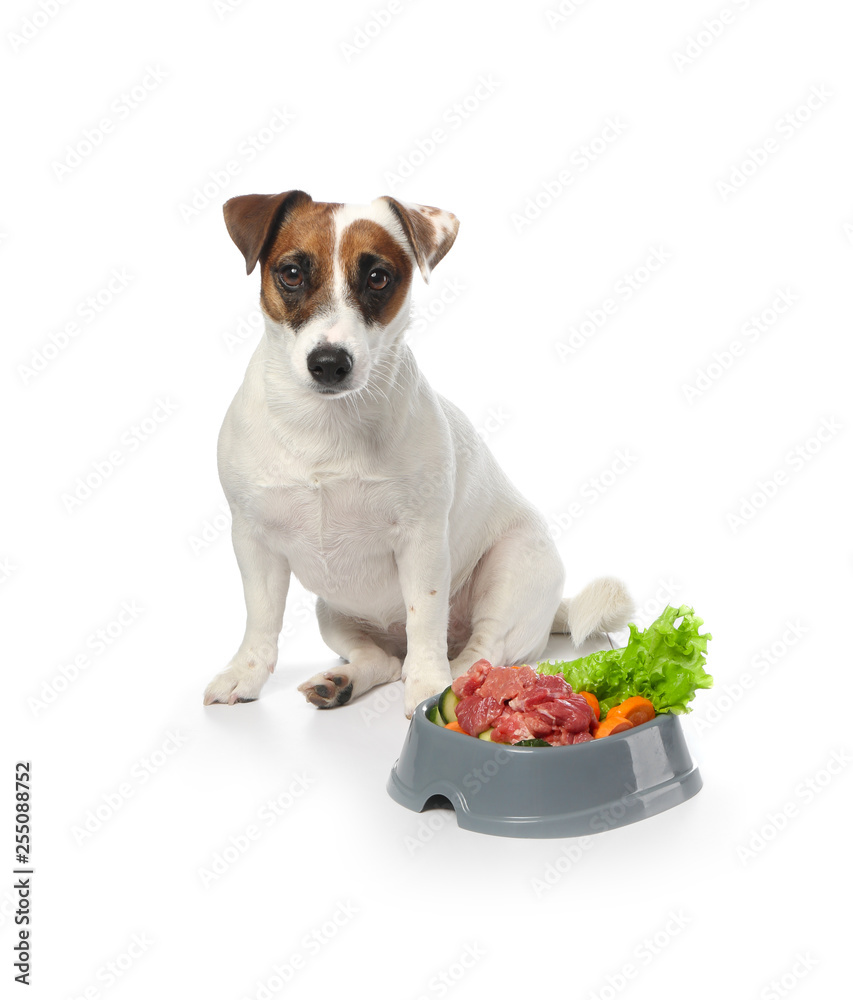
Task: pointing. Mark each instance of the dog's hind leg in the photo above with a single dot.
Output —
(368, 664)
(516, 603)
(515, 594)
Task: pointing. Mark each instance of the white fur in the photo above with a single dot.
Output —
(385, 503)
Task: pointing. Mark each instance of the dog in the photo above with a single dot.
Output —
(342, 466)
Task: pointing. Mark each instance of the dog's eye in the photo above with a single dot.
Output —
(378, 279)
(291, 275)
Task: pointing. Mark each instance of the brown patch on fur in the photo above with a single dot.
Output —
(366, 245)
(442, 245)
(422, 233)
(305, 237)
(250, 219)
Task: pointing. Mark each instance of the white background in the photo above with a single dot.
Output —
(736, 888)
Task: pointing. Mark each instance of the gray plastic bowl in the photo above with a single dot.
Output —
(570, 791)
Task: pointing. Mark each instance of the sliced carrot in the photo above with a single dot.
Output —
(593, 703)
(612, 724)
(636, 710)
(455, 727)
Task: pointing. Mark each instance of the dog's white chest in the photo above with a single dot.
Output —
(338, 534)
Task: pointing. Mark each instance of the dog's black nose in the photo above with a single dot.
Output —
(329, 365)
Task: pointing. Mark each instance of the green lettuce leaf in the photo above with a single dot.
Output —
(664, 663)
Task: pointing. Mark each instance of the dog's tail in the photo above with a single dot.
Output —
(602, 606)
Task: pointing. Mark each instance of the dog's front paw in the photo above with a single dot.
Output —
(236, 684)
(328, 690)
(423, 682)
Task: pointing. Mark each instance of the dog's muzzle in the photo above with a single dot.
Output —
(329, 365)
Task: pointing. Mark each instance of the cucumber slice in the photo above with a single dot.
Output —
(532, 743)
(486, 735)
(447, 705)
(435, 716)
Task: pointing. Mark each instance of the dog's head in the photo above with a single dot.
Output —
(336, 279)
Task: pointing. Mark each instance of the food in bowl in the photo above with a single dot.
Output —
(564, 703)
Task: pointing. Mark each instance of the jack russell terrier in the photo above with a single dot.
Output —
(343, 466)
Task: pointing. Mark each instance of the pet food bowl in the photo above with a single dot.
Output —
(568, 791)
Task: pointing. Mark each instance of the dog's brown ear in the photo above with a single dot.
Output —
(430, 231)
(253, 218)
